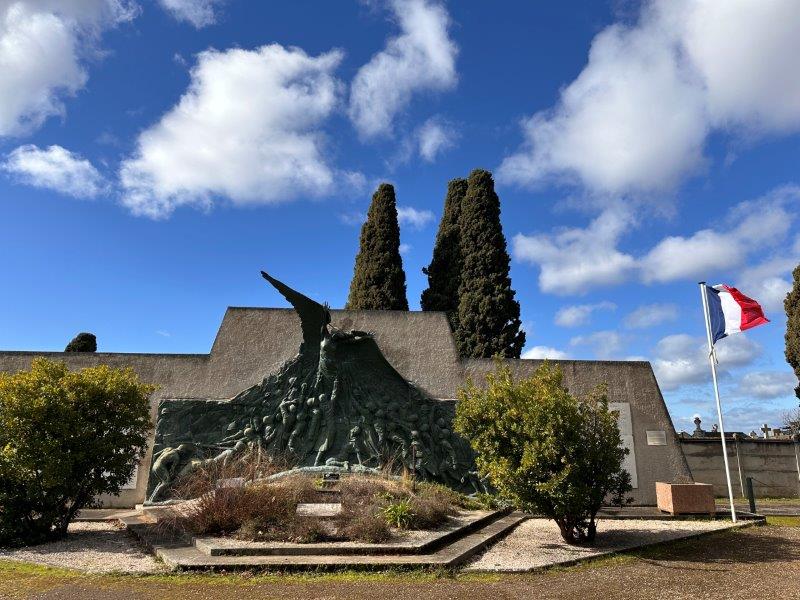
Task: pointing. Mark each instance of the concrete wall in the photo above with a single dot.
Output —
(771, 464)
(253, 342)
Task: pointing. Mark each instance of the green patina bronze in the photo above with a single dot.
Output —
(338, 405)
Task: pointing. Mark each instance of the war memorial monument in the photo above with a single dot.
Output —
(349, 390)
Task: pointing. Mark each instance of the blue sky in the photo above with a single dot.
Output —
(155, 155)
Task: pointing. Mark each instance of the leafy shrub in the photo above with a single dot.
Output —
(399, 514)
(65, 437)
(544, 449)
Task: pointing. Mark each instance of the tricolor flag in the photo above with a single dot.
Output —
(730, 311)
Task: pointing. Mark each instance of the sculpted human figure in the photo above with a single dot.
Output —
(168, 466)
(328, 409)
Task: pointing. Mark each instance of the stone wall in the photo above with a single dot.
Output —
(253, 342)
(771, 464)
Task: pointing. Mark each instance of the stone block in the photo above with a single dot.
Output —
(685, 498)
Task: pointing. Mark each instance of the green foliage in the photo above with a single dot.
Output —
(65, 437)
(444, 272)
(379, 282)
(399, 514)
(543, 449)
(488, 322)
(792, 306)
(83, 342)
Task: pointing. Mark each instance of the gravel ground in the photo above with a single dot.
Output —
(537, 542)
(92, 548)
(755, 562)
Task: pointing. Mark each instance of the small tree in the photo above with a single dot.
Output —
(65, 437)
(544, 449)
(83, 342)
(444, 272)
(379, 282)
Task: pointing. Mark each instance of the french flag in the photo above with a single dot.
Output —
(730, 311)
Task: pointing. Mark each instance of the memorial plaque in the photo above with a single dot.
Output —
(656, 438)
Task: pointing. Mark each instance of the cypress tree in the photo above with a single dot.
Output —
(488, 315)
(83, 342)
(379, 282)
(444, 272)
(792, 306)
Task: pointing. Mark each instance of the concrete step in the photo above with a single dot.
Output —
(213, 546)
(453, 554)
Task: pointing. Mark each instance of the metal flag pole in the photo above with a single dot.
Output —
(712, 360)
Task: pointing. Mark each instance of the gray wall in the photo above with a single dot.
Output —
(253, 342)
(771, 464)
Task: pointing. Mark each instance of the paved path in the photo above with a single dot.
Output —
(740, 564)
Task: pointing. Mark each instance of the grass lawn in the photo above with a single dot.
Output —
(726, 564)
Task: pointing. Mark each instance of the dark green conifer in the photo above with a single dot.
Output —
(83, 342)
(379, 282)
(792, 306)
(444, 272)
(488, 315)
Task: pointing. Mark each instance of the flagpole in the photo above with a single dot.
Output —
(711, 359)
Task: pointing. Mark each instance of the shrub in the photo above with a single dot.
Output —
(544, 449)
(399, 514)
(428, 513)
(260, 511)
(83, 342)
(370, 527)
(65, 437)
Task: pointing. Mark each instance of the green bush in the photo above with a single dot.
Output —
(65, 437)
(399, 514)
(545, 450)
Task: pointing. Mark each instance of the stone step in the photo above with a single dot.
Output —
(451, 555)
(214, 546)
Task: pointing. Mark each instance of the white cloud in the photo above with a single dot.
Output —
(434, 137)
(574, 260)
(637, 117)
(44, 45)
(405, 249)
(649, 315)
(542, 352)
(353, 218)
(604, 344)
(414, 217)
(54, 168)
(578, 314)
(682, 359)
(752, 225)
(197, 12)
(770, 281)
(421, 58)
(767, 384)
(246, 130)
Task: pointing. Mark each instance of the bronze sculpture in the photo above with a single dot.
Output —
(337, 405)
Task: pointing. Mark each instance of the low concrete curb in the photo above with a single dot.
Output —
(179, 554)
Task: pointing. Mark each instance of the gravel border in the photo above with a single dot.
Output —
(91, 547)
(537, 543)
